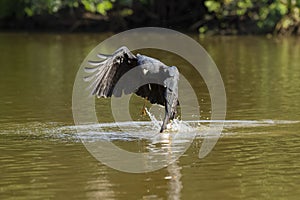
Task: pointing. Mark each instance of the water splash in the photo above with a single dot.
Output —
(175, 125)
(179, 125)
(142, 129)
(153, 119)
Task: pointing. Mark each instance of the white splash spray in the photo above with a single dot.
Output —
(174, 126)
(153, 119)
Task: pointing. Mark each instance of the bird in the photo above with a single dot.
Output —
(151, 79)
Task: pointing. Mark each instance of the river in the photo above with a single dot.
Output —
(256, 157)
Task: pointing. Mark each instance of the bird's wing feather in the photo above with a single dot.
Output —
(106, 73)
(153, 93)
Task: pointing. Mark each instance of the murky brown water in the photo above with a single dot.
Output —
(257, 156)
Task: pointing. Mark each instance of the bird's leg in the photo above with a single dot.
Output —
(143, 112)
(167, 116)
(171, 100)
(165, 122)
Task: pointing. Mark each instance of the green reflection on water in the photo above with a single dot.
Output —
(261, 75)
(262, 81)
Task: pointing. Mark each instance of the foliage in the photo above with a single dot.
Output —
(221, 16)
(39, 7)
(97, 6)
(10, 8)
(266, 14)
(290, 22)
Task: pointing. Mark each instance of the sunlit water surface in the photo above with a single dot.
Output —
(43, 157)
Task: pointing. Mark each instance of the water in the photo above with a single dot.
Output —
(42, 156)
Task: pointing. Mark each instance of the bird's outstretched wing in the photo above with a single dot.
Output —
(106, 73)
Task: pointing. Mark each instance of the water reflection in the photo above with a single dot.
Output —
(257, 156)
(48, 165)
(261, 75)
(37, 73)
(175, 184)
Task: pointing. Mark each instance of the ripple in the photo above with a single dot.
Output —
(133, 130)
